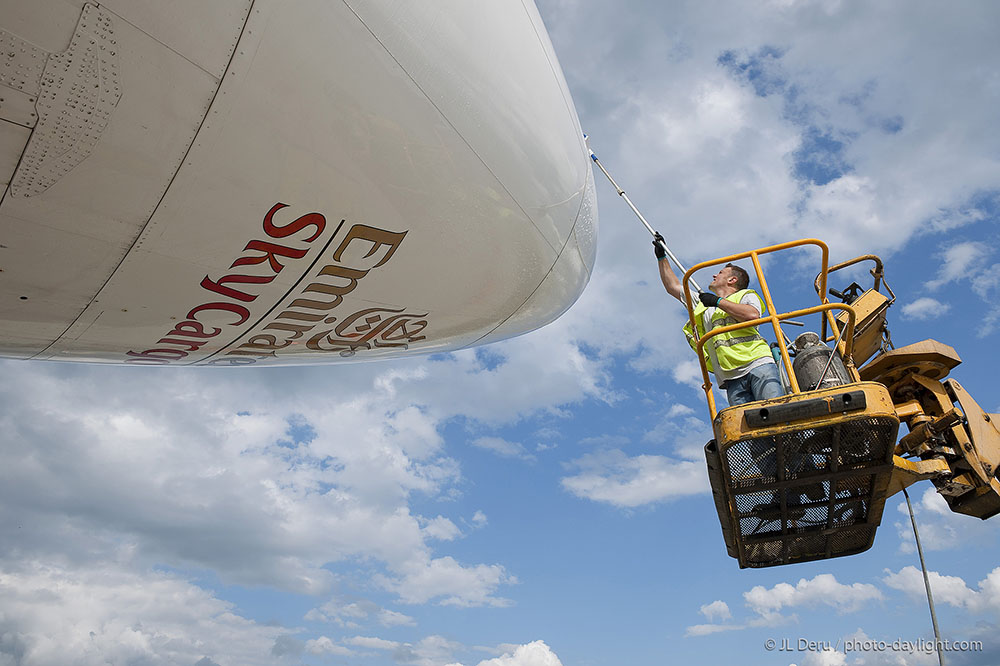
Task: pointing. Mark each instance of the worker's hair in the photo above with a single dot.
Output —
(742, 278)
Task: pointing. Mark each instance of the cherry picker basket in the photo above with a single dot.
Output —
(803, 477)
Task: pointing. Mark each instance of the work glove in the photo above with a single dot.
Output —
(709, 299)
(658, 245)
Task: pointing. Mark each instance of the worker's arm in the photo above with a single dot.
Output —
(670, 281)
(738, 311)
(667, 275)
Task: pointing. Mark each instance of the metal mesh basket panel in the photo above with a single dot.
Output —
(807, 494)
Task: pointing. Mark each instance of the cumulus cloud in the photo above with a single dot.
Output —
(479, 519)
(767, 604)
(503, 448)
(536, 653)
(344, 614)
(717, 610)
(372, 642)
(353, 614)
(940, 528)
(448, 581)
(966, 262)
(430, 651)
(439, 651)
(264, 477)
(631, 481)
(204, 481)
(958, 261)
(925, 308)
(951, 590)
(825, 657)
(324, 646)
(390, 618)
(823, 589)
(100, 614)
(708, 629)
(442, 529)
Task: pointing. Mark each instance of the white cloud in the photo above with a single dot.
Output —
(717, 610)
(101, 614)
(560, 374)
(536, 653)
(353, 614)
(925, 308)
(967, 262)
(766, 604)
(210, 479)
(197, 469)
(503, 448)
(678, 409)
(442, 529)
(709, 629)
(429, 651)
(941, 528)
(951, 590)
(344, 614)
(372, 642)
(823, 589)
(445, 579)
(959, 262)
(683, 431)
(618, 479)
(323, 645)
(825, 657)
(389, 618)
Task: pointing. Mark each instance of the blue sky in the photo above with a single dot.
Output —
(543, 501)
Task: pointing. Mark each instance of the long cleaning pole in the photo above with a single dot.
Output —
(652, 232)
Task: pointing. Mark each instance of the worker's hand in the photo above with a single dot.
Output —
(658, 245)
(709, 299)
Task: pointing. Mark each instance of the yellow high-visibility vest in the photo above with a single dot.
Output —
(735, 348)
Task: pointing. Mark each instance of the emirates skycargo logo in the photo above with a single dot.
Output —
(306, 314)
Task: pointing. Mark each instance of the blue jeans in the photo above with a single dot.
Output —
(761, 383)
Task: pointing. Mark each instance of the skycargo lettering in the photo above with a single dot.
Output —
(306, 315)
(209, 319)
(363, 249)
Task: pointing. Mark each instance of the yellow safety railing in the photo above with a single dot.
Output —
(878, 273)
(845, 343)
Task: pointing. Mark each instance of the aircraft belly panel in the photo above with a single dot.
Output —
(64, 240)
(12, 141)
(554, 295)
(208, 40)
(46, 24)
(79, 90)
(501, 94)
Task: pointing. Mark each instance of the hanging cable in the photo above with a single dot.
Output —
(927, 581)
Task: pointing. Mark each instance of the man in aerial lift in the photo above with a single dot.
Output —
(741, 359)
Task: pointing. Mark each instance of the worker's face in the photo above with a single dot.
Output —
(722, 278)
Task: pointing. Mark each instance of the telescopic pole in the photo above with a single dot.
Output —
(635, 210)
